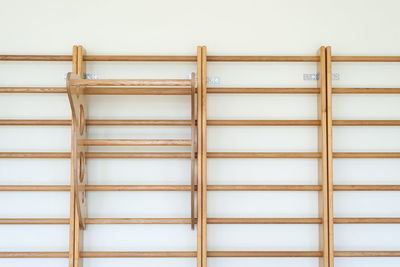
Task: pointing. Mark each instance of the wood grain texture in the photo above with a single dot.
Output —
(330, 155)
(199, 248)
(366, 90)
(204, 154)
(323, 161)
(131, 82)
(135, 142)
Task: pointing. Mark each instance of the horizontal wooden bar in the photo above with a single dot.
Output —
(35, 122)
(275, 254)
(263, 155)
(138, 122)
(366, 220)
(264, 220)
(387, 220)
(138, 254)
(138, 220)
(264, 188)
(31, 90)
(362, 254)
(50, 188)
(255, 90)
(366, 155)
(162, 188)
(209, 122)
(56, 155)
(161, 58)
(366, 58)
(131, 82)
(137, 187)
(366, 122)
(36, 254)
(35, 58)
(164, 122)
(162, 91)
(102, 254)
(34, 221)
(209, 155)
(263, 58)
(192, 254)
(135, 142)
(167, 155)
(163, 221)
(136, 155)
(264, 122)
(138, 58)
(137, 91)
(366, 187)
(366, 90)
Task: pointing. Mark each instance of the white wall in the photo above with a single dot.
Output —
(176, 28)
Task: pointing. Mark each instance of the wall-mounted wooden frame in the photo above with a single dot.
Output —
(77, 88)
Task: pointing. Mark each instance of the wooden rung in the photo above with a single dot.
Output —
(163, 91)
(192, 254)
(366, 187)
(264, 58)
(135, 142)
(365, 59)
(165, 155)
(102, 254)
(51, 188)
(138, 58)
(209, 122)
(137, 187)
(366, 220)
(366, 155)
(35, 58)
(264, 220)
(263, 155)
(162, 188)
(264, 187)
(138, 122)
(172, 58)
(138, 155)
(250, 90)
(34, 221)
(138, 254)
(366, 122)
(36, 122)
(138, 220)
(31, 90)
(130, 82)
(366, 90)
(36, 254)
(263, 122)
(32, 155)
(164, 122)
(169, 220)
(275, 254)
(362, 254)
(136, 91)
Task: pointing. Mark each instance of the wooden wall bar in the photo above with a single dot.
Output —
(324, 155)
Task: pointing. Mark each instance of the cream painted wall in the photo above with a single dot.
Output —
(226, 28)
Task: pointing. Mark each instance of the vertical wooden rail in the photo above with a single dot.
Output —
(192, 154)
(330, 151)
(82, 176)
(72, 209)
(78, 158)
(323, 168)
(199, 159)
(204, 152)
